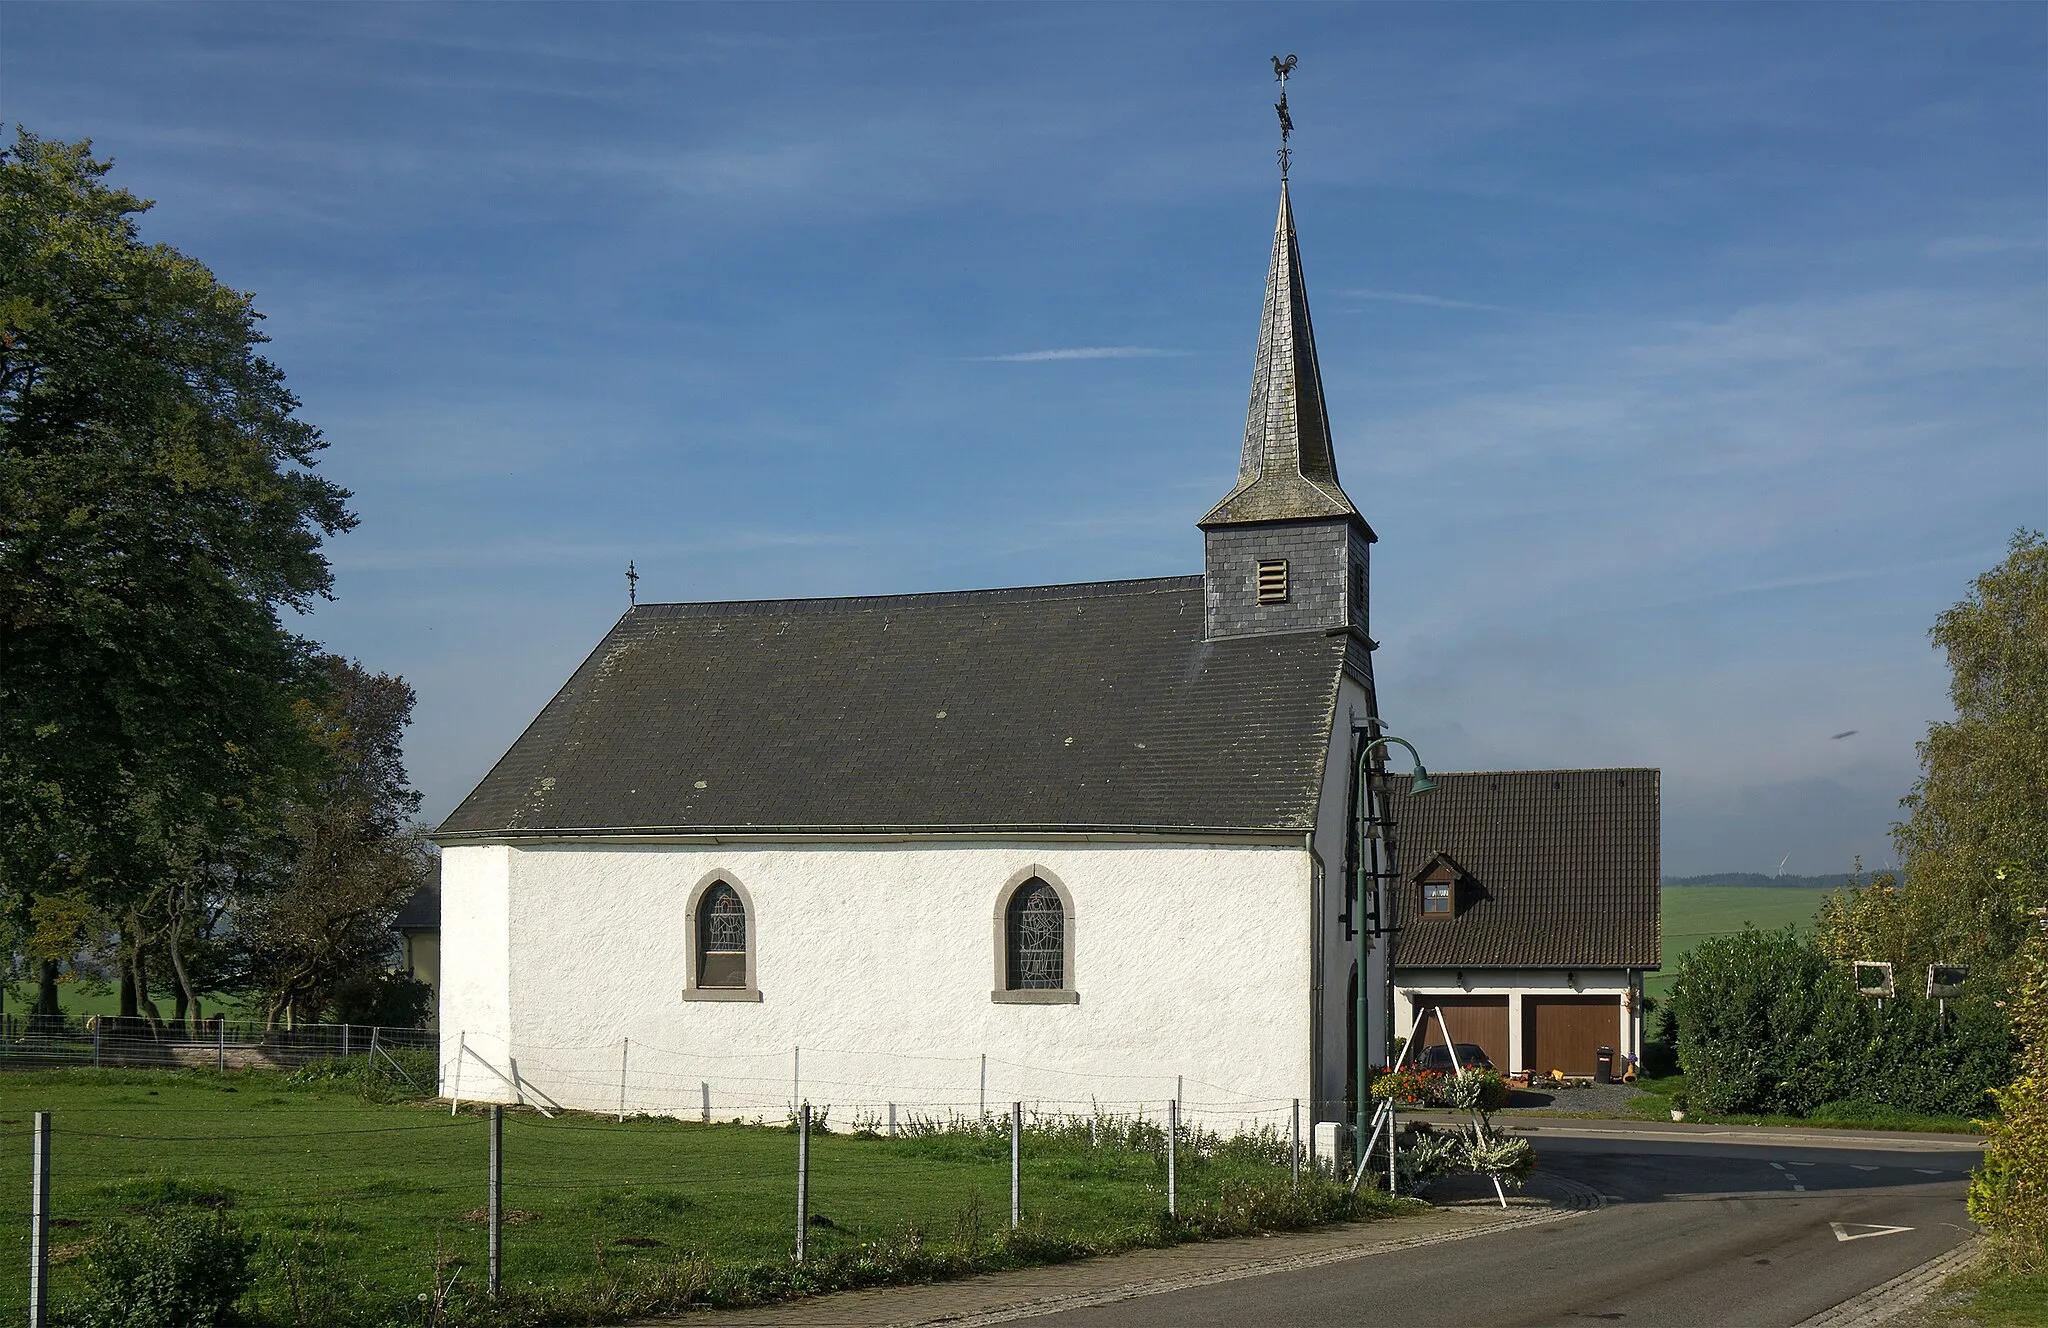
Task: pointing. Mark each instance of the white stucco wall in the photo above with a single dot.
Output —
(877, 962)
(475, 946)
(1517, 983)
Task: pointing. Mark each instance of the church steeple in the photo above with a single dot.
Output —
(1286, 551)
(1289, 470)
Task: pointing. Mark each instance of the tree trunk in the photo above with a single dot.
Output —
(144, 1006)
(46, 1007)
(130, 942)
(187, 998)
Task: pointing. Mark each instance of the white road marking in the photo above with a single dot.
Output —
(1862, 1168)
(1805, 1164)
(1788, 1175)
(1926, 1172)
(1843, 1232)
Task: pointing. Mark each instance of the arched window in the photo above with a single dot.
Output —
(721, 938)
(1035, 939)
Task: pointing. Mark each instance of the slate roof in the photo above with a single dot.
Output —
(1563, 869)
(1288, 470)
(1094, 706)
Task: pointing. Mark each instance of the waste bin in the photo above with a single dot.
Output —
(1603, 1065)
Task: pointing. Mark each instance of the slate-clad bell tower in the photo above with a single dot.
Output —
(1286, 551)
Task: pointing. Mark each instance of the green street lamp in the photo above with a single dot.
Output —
(1421, 783)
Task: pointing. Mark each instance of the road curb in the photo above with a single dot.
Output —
(1575, 1200)
(1004, 1297)
(1886, 1301)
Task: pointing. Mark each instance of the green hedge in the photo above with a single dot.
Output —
(1766, 1024)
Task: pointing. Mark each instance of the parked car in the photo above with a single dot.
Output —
(1437, 1058)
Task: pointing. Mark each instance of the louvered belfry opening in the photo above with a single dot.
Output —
(1273, 581)
(721, 938)
(1035, 935)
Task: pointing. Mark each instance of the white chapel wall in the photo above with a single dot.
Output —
(875, 965)
(475, 919)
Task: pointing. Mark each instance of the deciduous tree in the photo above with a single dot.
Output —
(158, 515)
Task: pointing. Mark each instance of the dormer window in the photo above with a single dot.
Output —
(1437, 886)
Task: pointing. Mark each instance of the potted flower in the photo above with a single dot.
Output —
(1678, 1106)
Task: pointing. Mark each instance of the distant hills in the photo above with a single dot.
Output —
(1787, 882)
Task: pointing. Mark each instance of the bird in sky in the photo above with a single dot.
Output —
(1846, 733)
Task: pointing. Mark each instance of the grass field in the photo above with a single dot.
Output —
(1694, 913)
(376, 1193)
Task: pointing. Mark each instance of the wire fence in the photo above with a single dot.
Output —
(853, 1087)
(114, 1042)
(398, 1196)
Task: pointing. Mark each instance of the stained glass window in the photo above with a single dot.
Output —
(721, 938)
(1036, 938)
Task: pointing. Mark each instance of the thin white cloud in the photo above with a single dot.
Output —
(1082, 353)
(1971, 246)
(1426, 301)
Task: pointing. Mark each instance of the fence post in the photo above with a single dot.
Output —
(625, 1045)
(1016, 1165)
(346, 1048)
(892, 1120)
(455, 1088)
(497, 1210)
(984, 1085)
(1172, 1133)
(706, 1086)
(39, 1225)
(803, 1178)
(1294, 1145)
(796, 1076)
(95, 1044)
(220, 1048)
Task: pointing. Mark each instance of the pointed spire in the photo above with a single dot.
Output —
(1289, 471)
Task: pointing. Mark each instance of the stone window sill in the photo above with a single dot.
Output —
(1039, 996)
(721, 994)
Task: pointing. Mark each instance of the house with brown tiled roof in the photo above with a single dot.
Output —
(1526, 913)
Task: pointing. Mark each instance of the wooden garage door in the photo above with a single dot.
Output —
(1481, 1019)
(1564, 1032)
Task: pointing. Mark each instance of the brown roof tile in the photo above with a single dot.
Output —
(1562, 869)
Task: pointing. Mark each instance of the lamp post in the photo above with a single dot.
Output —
(1368, 879)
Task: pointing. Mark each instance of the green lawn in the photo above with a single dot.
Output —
(1694, 913)
(386, 1186)
(1992, 1295)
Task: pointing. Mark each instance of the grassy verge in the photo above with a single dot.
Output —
(1658, 1093)
(1992, 1295)
(366, 1207)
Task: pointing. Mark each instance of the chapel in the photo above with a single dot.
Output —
(1081, 846)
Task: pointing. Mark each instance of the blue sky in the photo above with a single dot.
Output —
(1687, 360)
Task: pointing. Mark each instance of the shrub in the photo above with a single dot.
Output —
(176, 1269)
(1767, 1024)
(2009, 1196)
(387, 1000)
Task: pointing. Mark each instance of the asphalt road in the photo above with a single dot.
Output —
(1713, 1234)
